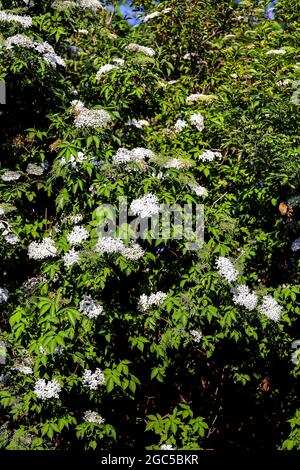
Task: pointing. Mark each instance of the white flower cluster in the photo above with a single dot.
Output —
(138, 123)
(92, 5)
(25, 21)
(89, 307)
(93, 417)
(10, 176)
(77, 235)
(179, 125)
(74, 219)
(136, 155)
(104, 69)
(196, 336)
(226, 269)
(46, 390)
(147, 301)
(167, 447)
(284, 82)
(133, 252)
(74, 161)
(132, 47)
(296, 245)
(43, 48)
(198, 121)
(200, 97)
(93, 380)
(3, 294)
(33, 169)
(23, 368)
(176, 163)
(58, 350)
(155, 14)
(109, 245)
(119, 61)
(45, 249)
(92, 118)
(276, 52)
(32, 283)
(7, 233)
(209, 156)
(198, 189)
(270, 308)
(244, 297)
(194, 97)
(146, 206)
(82, 31)
(70, 258)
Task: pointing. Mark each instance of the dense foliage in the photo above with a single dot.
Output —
(146, 343)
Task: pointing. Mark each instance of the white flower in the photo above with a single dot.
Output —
(234, 75)
(118, 61)
(145, 302)
(296, 245)
(270, 308)
(104, 69)
(93, 380)
(19, 40)
(179, 125)
(276, 52)
(176, 163)
(139, 124)
(196, 336)
(10, 176)
(92, 5)
(199, 190)
(198, 121)
(43, 48)
(136, 155)
(74, 161)
(133, 252)
(25, 21)
(23, 368)
(195, 97)
(54, 60)
(3, 294)
(166, 447)
(11, 238)
(209, 156)
(70, 258)
(33, 169)
(93, 417)
(77, 105)
(155, 14)
(82, 31)
(284, 82)
(132, 47)
(146, 206)
(109, 245)
(46, 390)
(45, 249)
(226, 269)
(89, 307)
(74, 219)
(90, 117)
(77, 235)
(244, 297)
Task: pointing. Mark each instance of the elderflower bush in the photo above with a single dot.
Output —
(96, 328)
